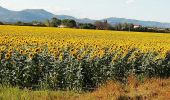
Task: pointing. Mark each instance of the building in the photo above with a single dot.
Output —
(137, 26)
(62, 26)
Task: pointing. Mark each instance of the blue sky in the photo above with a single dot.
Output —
(152, 10)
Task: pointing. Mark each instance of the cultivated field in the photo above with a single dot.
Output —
(79, 60)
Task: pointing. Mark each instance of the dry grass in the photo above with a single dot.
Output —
(150, 89)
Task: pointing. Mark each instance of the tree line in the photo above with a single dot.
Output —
(98, 25)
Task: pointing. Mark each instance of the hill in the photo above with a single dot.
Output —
(29, 15)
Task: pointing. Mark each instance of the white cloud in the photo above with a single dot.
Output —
(130, 1)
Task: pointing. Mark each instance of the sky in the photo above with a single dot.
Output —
(149, 10)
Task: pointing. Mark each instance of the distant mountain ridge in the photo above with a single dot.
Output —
(29, 15)
(114, 20)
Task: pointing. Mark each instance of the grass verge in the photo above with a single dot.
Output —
(149, 89)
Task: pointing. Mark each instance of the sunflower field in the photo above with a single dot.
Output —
(75, 59)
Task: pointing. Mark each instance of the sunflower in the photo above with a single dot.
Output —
(30, 56)
(22, 52)
(79, 57)
(38, 50)
(7, 56)
(2, 48)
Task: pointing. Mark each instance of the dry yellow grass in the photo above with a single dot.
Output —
(150, 89)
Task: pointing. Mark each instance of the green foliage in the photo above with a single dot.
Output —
(14, 93)
(20, 23)
(69, 23)
(44, 71)
(55, 22)
(1, 23)
(87, 26)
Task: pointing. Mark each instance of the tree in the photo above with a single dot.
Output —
(47, 23)
(106, 25)
(124, 27)
(55, 22)
(118, 27)
(86, 26)
(1, 23)
(19, 23)
(127, 27)
(69, 23)
(102, 25)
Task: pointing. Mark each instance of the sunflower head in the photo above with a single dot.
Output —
(30, 56)
(38, 50)
(2, 48)
(7, 56)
